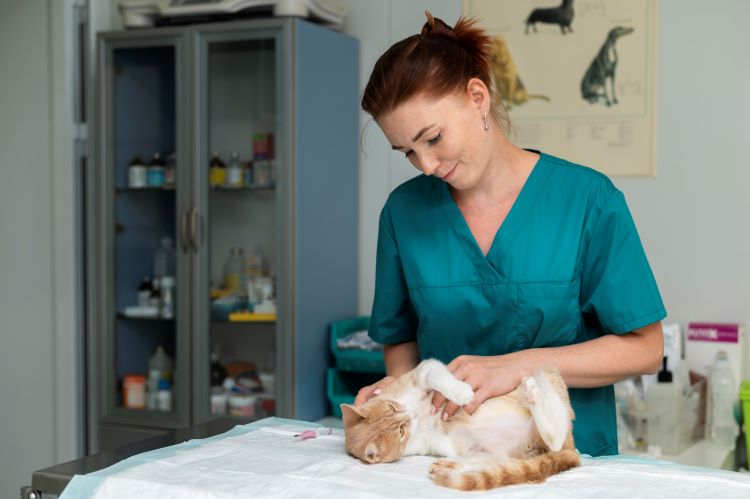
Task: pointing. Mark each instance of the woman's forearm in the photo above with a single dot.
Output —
(601, 361)
(400, 358)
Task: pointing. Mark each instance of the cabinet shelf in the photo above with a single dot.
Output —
(244, 189)
(121, 190)
(121, 315)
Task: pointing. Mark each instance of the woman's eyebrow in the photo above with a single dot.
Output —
(416, 137)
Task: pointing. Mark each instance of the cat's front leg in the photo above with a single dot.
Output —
(434, 375)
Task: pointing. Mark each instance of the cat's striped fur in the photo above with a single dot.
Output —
(522, 437)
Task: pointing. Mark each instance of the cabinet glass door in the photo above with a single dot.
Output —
(142, 168)
(237, 173)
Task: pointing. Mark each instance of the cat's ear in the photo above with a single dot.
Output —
(350, 414)
(396, 406)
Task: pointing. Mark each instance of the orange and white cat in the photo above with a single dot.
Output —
(522, 437)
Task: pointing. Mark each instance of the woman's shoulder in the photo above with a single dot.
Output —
(414, 190)
(578, 180)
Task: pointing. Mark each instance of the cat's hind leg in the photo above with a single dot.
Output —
(548, 408)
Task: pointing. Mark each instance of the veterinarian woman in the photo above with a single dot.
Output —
(499, 260)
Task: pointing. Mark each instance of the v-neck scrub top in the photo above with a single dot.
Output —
(566, 266)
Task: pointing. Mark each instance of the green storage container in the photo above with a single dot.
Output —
(350, 359)
(342, 387)
(745, 399)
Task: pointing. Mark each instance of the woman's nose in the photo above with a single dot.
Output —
(428, 164)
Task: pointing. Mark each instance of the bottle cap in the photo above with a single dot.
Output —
(664, 376)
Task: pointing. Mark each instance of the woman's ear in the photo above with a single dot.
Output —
(478, 93)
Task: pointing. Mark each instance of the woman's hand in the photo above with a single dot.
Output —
(488, 377)
(373, 390)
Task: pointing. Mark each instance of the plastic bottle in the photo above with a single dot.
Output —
(164, 259)
(722, 393)
(161, 362)
(217, 171)
(234, 269)
(167, 297)
(234, 172)
(164, 395)
(156, 173)
(664, 403)
(137, 173)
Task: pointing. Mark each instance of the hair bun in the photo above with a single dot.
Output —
(436, 27)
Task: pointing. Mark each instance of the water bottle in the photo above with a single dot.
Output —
(164, 260)
(234, 172)
(722, 392)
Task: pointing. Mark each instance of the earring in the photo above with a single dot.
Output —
(486, 125)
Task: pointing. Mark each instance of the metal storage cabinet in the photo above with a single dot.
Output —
(190, 91)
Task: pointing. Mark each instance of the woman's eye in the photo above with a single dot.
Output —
(401, 430)
(407, 153)
(435, 139)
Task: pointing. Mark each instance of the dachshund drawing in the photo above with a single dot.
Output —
(602, 69)
(562, 15)
(505, 75)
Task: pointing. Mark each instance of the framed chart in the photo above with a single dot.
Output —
(577, 77)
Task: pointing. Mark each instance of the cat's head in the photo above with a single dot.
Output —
(377, 431)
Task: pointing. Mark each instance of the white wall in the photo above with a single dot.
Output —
(26, 298)
(694, 216)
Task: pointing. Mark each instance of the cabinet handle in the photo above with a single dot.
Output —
(194, 228)
(182, 231)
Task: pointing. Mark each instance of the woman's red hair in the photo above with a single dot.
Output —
(438, 61)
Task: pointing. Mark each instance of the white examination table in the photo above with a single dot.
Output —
(263, 459)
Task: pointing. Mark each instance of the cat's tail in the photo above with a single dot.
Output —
(483, 475)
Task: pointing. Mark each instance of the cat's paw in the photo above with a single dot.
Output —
(461, 393)
(532, 390)
(445, 473)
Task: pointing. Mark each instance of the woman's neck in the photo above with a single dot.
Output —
(502, 178)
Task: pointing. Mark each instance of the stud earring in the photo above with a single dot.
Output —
(486, 125)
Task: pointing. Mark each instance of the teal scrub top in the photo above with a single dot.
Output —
(566, 266)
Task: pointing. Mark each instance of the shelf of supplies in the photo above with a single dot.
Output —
(244, 189)
(251, 317)
(121, 315)
(144, 189)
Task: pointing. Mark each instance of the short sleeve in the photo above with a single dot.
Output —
(392, 319)
(617, 285)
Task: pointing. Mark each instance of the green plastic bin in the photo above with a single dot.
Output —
(350, 359)
(342, 387)
(745, 398)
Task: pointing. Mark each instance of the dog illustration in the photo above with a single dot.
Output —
(562, 15)
(602, 68)
(507, 82)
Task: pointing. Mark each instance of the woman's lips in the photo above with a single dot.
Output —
(449, 174)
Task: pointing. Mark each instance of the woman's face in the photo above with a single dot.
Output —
(441, 136)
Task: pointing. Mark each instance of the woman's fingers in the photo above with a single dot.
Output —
(370, 391)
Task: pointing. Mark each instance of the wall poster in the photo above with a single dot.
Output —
(578, 77)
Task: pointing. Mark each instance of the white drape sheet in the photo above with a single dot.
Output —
(264, 460)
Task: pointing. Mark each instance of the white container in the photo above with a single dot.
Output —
(242, 405)
(219, 403)
(164, 396)
(234, 172)
(664, 411)
(167, 297)
(137, 176)
(722, 394)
